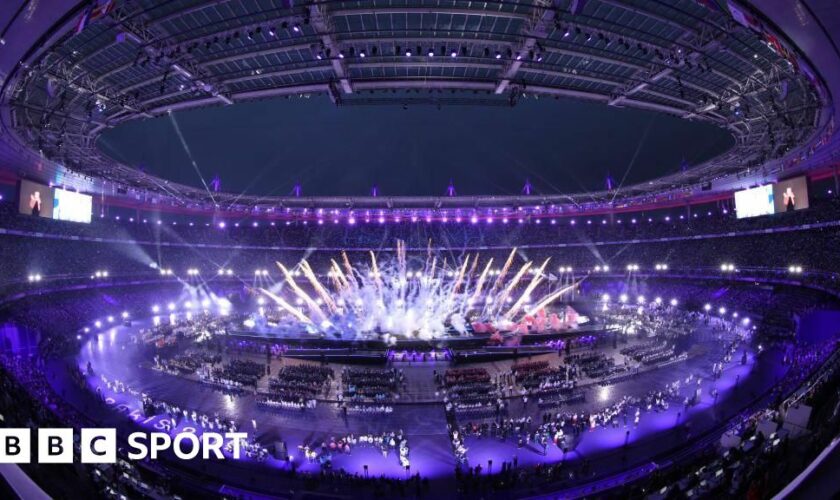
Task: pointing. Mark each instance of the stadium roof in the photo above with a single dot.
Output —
(130, 60)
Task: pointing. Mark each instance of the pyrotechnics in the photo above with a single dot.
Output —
(439, 298)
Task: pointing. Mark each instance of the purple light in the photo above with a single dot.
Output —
(521, 221)
(428, 218)
(458, 219)
(553, 221)
(474, 219)
(413, 218)
(504, 220)
(489, 220)
(320, 222)
(573, 222)
(351, 220)
(381, 220)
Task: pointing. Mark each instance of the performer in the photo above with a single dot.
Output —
(790, 200)
(35, 203)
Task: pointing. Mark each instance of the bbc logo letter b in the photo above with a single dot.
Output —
(14, 446)
(55, 446)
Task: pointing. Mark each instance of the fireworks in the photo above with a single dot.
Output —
(387, 297)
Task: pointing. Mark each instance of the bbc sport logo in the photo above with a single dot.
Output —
(99, 445)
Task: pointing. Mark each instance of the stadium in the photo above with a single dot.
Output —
(420, 249)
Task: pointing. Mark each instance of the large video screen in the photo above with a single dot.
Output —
(754, 202)
(72, 206)
(35, 199)
(791, 195)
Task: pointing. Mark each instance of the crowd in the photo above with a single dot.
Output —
(188, 361)
(650, 353)
(297, 386)
(235, 374)
(371, 384)
(683, 244)
(244, 230)
(386, 442)
(539, 379)
(469, 391)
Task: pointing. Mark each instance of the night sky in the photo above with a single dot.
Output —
(562, 146)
